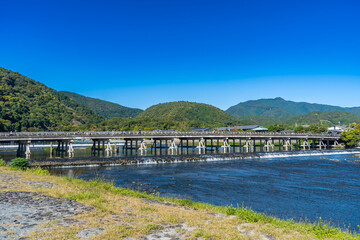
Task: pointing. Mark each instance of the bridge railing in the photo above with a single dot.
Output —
(92, 134)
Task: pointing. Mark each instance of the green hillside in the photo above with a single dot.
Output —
(328, 118)
(188, 111)
(281, 108)
(27, 105)
(104, 108)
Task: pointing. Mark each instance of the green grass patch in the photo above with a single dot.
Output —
(152, 227)
(84, 195)
(39, 171)
(2, 162)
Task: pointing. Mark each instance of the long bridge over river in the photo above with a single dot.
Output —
(111, 142)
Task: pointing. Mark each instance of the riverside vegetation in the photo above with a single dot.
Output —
(121, 213)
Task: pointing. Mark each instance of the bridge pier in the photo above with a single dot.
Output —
(313, 144)
(143, 147)
(288, 145)
(234, 145)
(249, 147)
(202, 145)
(226, 146)
(173, 147)
(99, 146)
(70, 149)
(24, 149)
(269, 145)
(61, 149)
(321, 145)
(306, 144)
(108, 149)
(335, 144)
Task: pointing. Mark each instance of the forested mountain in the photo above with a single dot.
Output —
(104, 108)
(188, 111)
(317, 118)
(327, 118)
(27, 105)
(282, 109)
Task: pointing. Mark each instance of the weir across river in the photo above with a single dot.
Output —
(143, 142)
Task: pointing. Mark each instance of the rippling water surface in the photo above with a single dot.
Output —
(290, 187)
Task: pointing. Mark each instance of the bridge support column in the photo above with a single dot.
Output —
(269, 145)
(24, 149)
(226, 145)
(321, 145)
(233, 144)
(313, 145)
(62, 148)
(21, 149)
(27, 152)
(116, 150)
(335, 144)
(143, 147)
(173, 147)
(70, 149)
(99, 146)
(248, 146)
(288, 145)
(202, 145)
(51, 149)
(306, 144)
(298, 143)
(108, 149)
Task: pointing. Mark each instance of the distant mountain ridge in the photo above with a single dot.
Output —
(104, 108)
(282, 109)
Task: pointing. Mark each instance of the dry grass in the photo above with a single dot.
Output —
(132, 216)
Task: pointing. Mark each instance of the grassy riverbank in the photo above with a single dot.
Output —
(126, 213)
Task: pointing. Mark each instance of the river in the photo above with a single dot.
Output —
(297, 187)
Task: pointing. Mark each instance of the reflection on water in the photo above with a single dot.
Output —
(293, 187)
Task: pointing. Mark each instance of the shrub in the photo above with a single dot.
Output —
(230, 210)
(20, 163)
(2, 162)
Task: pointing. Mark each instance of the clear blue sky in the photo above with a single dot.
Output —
(139, 53)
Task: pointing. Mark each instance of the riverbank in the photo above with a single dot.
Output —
(154, 159)
(98, 210)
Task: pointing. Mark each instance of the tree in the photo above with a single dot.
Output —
(351, 137)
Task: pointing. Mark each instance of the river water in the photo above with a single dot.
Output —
(296, 187)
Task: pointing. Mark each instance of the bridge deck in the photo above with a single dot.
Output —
(54, 136)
